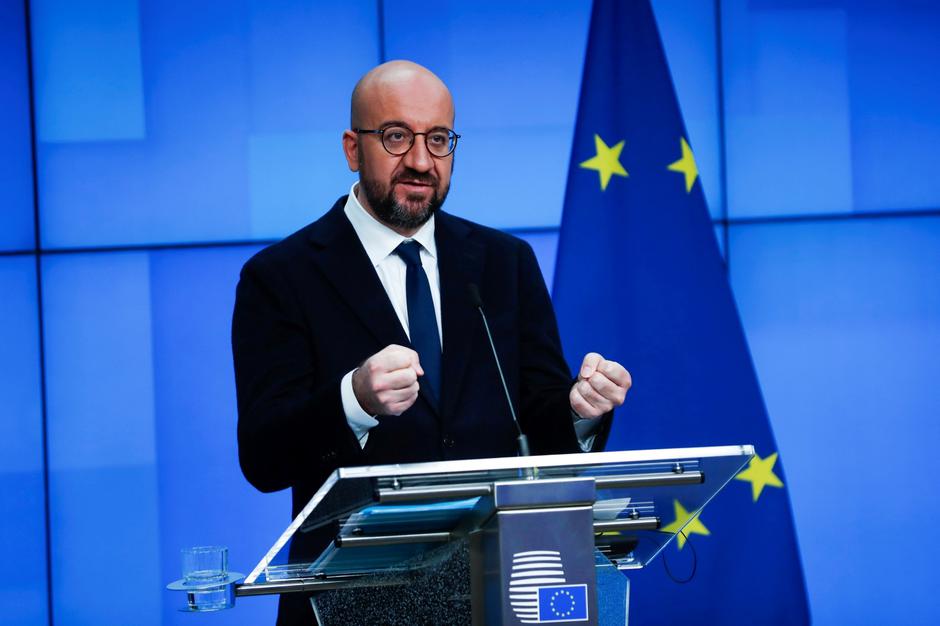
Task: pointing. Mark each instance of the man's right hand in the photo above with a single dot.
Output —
(387, 382)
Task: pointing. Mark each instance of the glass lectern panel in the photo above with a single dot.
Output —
(399, 518)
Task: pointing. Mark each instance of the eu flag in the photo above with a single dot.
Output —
(562, 603)
(639, 278)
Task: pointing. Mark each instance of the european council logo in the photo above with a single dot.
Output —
(539, 593)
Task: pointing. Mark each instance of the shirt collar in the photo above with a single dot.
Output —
(378, 239)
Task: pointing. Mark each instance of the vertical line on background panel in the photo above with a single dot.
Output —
(380, 7)
(722, 142)
(37, 248)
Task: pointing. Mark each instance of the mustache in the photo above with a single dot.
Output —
(412, 176)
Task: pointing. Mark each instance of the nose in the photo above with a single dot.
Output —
(418, 158)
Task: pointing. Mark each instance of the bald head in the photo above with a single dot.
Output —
(397, 84)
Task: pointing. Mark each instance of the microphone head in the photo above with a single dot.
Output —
(474, 292)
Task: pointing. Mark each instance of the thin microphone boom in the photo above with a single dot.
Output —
(477, 301)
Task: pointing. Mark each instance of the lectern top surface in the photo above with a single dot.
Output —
(609, 462)
(379, 519)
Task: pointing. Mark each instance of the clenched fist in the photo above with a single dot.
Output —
(387, 382)
(602, 386)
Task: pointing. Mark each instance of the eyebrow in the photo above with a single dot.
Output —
(389, 123)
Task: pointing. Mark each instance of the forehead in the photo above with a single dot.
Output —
(418, 101)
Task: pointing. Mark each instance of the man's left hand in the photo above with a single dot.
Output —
(601, 387)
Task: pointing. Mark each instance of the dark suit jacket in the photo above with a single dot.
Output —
(311, 308)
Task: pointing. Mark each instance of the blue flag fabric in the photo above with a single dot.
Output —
(639, 278)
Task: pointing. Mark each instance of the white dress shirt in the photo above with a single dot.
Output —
(380, 243)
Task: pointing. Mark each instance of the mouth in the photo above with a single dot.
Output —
(414, 186)
(411, 181)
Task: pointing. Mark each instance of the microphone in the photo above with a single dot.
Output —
(477, 301)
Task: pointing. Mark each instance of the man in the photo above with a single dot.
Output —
(356, 339)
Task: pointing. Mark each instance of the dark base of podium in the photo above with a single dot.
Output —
(436, 592)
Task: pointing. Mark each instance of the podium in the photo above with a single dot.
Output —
(523, 540)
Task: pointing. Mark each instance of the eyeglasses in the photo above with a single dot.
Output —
(399, 139)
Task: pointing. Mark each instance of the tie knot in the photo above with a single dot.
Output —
(410, 253)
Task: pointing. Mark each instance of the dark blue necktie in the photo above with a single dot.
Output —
(422, 322)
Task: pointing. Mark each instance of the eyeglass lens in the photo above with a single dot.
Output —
(398, 140)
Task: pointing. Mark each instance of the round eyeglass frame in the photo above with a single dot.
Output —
(381, 132)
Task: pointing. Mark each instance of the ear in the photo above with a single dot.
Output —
(351, 149)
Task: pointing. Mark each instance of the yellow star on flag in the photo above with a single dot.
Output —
(682, 516)
(606, 162)
(760, 473)
(686, 165)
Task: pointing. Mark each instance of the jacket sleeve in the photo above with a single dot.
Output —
(291, 424)
(545, 380)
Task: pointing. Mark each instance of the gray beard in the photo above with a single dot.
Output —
(390, 212)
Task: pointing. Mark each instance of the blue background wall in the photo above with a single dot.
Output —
(170, 140)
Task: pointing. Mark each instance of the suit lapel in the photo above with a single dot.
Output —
(345, 264)
(460, 262)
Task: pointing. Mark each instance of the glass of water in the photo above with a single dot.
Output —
(205, 564)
